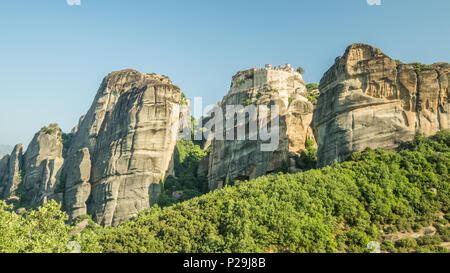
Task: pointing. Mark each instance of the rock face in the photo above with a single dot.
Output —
(122, 148)
(42, 165)
(244, 159)
(112, 164)
(10, 173)
(370, 100)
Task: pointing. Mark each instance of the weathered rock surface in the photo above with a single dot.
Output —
(244, 159)
(42, 165)
(369, 100)
(122, 147)
(10, 173)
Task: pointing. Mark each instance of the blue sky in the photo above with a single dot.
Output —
(53, 56)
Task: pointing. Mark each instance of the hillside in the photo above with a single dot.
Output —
(374, 196)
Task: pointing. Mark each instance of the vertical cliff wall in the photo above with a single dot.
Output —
(370, 100)
(41, 168)
(10, 173)
(122, 148)
(244, 159)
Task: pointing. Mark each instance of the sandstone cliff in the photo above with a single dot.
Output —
(10, 173)
(370, 100)
(244, 159)
(122, 148)
(41, 168)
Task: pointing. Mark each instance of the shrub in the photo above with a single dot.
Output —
(407, 243)
(47, 130)
(38, 231)
(290, 100)
(240, 82)
(419, 67)
(308, 158)
(312, 86)
(183, 100)
(312, 99)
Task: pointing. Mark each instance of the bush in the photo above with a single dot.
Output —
(240, 82)
(290, 100)
(312, 99)
(339, 208)
(406, 243)
(37, 231)
(419, 67)
(312, 86)
(183, 100)
(308, 158)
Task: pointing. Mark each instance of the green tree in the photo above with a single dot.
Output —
(300, 70)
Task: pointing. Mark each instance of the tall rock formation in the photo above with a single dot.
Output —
(370, 100)
(122, 148)
(42, 165)
(10, 173)
(244, 159)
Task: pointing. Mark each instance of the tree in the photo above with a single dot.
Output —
(312, 86)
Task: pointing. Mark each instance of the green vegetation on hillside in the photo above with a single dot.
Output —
(48, 130)
(185, 182)
(313, 94)
(419, 67)
(308, 158)
(340, 208)
(183, 99)
(36, 231)
(240, 82)
(312, 86)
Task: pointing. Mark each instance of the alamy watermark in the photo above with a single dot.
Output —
(73, 247)
(374, 247)
(231, 122)
(374, 2)
(73, 2)
(78, 2)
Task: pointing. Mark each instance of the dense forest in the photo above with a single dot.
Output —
(399, 199)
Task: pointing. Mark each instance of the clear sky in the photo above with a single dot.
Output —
(53, 56)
